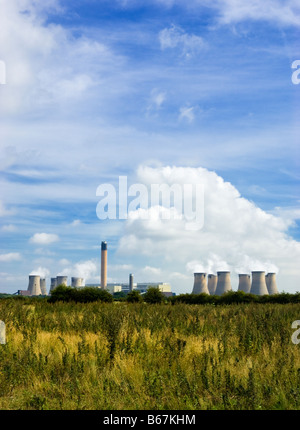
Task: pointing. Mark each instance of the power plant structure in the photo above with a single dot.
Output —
(244, 283)
(223, 284)
(212, 283)
(103, 279)
(43, 286)
(34, 285)
(271, 283)
(77, 282)
(61, 280)
(258, 284)
(200, 284)
(130, 282)
(53, 284)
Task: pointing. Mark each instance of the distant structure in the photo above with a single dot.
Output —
(271, 283)
(43, 286)
(130, 282)
(34, 285)
(212, 283)
(77, 282)
(200, 284)
(244, 283)
(258, 285)
(223, 284)
(53, 284)
(103, 265)
(61, 280)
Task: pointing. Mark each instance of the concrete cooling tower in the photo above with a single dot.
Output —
(271, 283)
(34, 285)
(53, 284)
(212, 283)
(61, 280)
(258, 285)
(244, 283)
(200, 284)
(77, 282)
(223, 284)
(43, 286)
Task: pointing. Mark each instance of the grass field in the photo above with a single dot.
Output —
(140, 356)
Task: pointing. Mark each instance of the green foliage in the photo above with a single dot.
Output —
(153, 296)
(82, 295)
(134, 297)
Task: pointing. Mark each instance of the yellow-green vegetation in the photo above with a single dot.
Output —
(143, 356)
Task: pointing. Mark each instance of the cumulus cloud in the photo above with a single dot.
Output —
(236, 235)
(44, 238)
(10, 228)
(11, 256)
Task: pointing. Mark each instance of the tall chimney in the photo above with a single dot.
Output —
(223, 284)
(103, 265)
(271, 283)
(212, 283)
(258, 285)
(130, 282)
(34, 285)
(244, 283)
(200, 284)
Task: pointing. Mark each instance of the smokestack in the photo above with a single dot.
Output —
(212, 283)
(53, 284)
(76, 282)
(258, 285)
(130, 282)
(223, 284)
(43, 287)
(200, 284)
(34, 285)
(271, 283)
(103, 265)
(61, 280)
(244, 283)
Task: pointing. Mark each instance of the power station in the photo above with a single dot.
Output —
(212, 284)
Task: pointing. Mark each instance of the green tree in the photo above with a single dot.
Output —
(154, 295)
(134, 297)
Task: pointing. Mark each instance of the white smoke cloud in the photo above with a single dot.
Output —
(43, 272)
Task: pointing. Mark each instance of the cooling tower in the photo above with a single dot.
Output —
(258, 285)
(244, 283)
(223, 284)
(77, 282)
(271, 283)
(130, 282)
(103, 265)
(61, 280)
(34, 286)
(53, 284)
(200, 284)
(212, 283)
(43, 286)
(2, 333)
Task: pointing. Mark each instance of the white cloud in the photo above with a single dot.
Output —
(187, 113)
(10, 228)
(89, 270)
(5, 212)
(11, 256)
(237, 235)
(43, 272)
(44, 238)
(176, 37)
(75, 223)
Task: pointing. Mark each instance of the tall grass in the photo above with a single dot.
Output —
(140, 356)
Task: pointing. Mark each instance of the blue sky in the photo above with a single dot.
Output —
(101, 89)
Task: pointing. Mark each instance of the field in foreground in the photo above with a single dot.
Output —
(140, 356)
